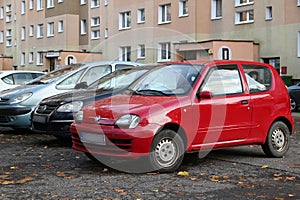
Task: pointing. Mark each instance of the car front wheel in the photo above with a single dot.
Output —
(167, 151)
(278, 140)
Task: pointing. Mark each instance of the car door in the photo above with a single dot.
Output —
(225, 114)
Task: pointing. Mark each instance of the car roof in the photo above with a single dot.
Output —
(108, 62)
(18, 71)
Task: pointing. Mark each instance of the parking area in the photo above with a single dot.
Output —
(35, 166)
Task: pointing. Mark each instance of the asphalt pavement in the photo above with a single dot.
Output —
(35, 166)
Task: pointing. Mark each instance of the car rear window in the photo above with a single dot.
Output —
(259, 78)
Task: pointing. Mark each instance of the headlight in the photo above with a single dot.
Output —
(21, 98)
(78, 117)
(74, 106)
(128, 121)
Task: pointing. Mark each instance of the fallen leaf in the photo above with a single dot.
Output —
(193, 178)
(24, 180)
(292, 195)
(264, 166)
(183, 173)
(7, 182)
(214, 178)
(292, 178)
(14, 167)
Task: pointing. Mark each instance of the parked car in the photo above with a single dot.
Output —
(13, 78)
(16, 105)
(54, 115)
(294, 92)
(187, 107)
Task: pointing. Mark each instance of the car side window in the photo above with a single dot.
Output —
(223, 80)
(96, 73)
(70, 82)
(21, 78)
(122, 66)
(8, 80)
(259, 78)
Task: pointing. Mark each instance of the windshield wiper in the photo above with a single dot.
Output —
(151, 92)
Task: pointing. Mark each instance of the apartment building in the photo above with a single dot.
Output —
(44, 34)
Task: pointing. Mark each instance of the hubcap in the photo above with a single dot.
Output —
(278, 139)
(165, 152)
(293, 104)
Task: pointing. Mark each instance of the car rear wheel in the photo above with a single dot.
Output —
(278, 140)
(294, 106)
(167, 151)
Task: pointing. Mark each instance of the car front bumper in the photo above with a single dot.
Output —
(15, 116)
(130, 143)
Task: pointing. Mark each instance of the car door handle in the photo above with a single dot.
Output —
(244, 102)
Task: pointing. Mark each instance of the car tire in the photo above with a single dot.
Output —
(167, 151)
(277, 141)
(294, 106)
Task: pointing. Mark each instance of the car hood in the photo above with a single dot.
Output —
(22, 89)
(114, 107)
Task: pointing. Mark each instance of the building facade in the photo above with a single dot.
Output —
(44, 34)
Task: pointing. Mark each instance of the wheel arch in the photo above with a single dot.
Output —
(284, 120)
(178, 129)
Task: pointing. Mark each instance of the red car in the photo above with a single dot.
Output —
(185, 107)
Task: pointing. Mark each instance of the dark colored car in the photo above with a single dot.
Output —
(54, 115)
(294, 92)
(187, 107)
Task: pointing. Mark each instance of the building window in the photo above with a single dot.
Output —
(298, 2)
(39, 5)
(50, 29)
(31, 4)
(124, 20)
(164, 51)
(1, 13)
(125, 54)
(95, 21)
(22, 59)
(8, 43)
(83, 27)
(39, 58)
(60, 26)
(50, 3)
(8, 32)
(105, 2)
(216, 9)
(60, 1)
(31, 31)
(23, 7)
(39, 30)
(8, 8)
(1, 36)
(183, 9)
(244, 17)
(268, 12)
(95, 34)
(141, 15)
(95, 3)
(164, 14)
(23, 33)
(106, 33)
(8, 18)
(82, 2)
(243, 2)
(141, 51)
(298, 44)
(30, 59)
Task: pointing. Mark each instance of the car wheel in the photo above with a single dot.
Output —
(167, 151)
(294, 106)
(278, 140)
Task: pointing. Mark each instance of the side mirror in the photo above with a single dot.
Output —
(204, 95)
(82, 85)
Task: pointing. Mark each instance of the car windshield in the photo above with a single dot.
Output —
(118, 79)
(55, 74)
(175, 79)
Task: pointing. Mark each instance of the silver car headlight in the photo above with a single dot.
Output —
(78, 117)
(74, 106)
(22, 97)
(128, 121)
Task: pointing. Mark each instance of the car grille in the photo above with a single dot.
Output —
(46, 108)
(114, 146)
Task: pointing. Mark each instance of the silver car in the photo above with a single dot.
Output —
(16, 105)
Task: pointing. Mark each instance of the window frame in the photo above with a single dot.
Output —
(248, 15)
(248, 2)
(183, 8)
(125, 53)
(40, 31)
(83, 27)
(50, 29)
(164, 14)
(164, 52)
(214, 9)
(269, 13)
(125, 20)
(141, 16)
